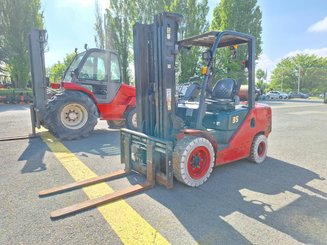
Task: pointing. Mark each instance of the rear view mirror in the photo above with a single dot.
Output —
(206, 55)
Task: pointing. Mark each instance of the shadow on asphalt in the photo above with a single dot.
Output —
(243, 187)
(34, 156)
(101, 142)
(13, 107)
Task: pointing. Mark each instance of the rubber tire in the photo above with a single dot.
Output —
(181, 155)
(129, 118)
(52, 118)
(255, 156)
(128, 122)
(116, 124)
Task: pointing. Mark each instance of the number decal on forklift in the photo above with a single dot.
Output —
(234, 119)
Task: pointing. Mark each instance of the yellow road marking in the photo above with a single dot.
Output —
(130, 227)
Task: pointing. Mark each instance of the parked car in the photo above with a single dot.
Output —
(275, 95)
(284, 95)
(298, 95)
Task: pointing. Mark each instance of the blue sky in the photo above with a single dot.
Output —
(289, 27)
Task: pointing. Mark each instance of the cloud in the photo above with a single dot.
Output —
(318, 52)
(320, 26)
(266, 64)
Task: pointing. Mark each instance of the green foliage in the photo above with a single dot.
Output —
(115, 30)
(17, 19)
(261, 84)
(57, 71)
(311, 69)
(194, 23)
(242, 16)
(239, 15)
(260, 74)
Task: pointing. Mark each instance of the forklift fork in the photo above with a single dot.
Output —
(146, 165)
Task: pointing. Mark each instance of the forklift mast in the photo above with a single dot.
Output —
(155, 50)
(37, 41)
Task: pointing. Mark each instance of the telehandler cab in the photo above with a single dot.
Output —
(184, 139)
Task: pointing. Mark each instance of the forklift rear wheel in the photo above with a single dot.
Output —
(193, 160)
(259, 149)
(71, 115)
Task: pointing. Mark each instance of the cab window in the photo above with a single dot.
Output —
(94, 68)
(115, 69)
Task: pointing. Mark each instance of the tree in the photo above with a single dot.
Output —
(194, 23)
(305, 72)
(242, 16)
(261, 75)
(57, 71)
(17, 19)
(114, 31)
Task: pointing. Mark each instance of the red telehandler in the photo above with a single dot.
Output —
(177, 138)
(92, 88)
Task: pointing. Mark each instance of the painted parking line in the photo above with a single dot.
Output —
(129, 226)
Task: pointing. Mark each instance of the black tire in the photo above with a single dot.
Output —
(193, 150)
(259, 148)
(115, 124)
(71, 115)
(131, 119)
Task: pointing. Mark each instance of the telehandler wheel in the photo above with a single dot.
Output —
(71, 115)
(114, 124)
(259, 149)
(131, 119)
(193, 160)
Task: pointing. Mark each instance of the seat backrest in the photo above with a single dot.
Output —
(224, 89)
(192, 91)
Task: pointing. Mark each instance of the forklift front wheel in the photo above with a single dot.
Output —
(259, 149)
(193, 160)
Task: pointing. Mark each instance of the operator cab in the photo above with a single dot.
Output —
(217, 108)
(98, 71)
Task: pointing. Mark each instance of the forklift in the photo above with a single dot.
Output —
(184, 139)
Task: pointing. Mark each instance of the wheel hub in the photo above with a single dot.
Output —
(195, 162)
(72, 115)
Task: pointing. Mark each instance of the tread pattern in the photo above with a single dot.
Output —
(181, 154)
(52, 115)
(254, 157)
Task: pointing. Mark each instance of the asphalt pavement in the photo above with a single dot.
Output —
(281, 201)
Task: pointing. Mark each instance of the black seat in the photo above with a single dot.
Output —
(192, 91)
(224, 95)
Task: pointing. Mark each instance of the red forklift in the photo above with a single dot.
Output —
(185, 138)
(92, 88)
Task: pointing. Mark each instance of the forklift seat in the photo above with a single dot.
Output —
(224, 95)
